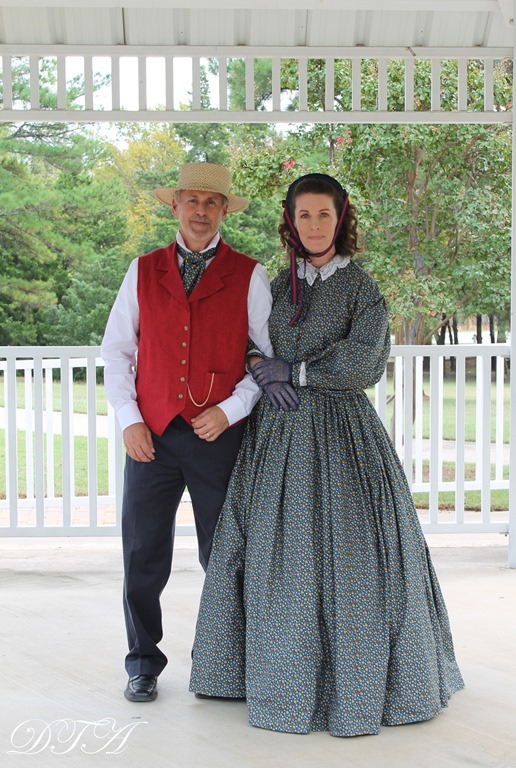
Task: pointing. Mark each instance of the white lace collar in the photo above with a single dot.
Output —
(307, 270)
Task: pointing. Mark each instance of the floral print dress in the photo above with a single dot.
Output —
(321, 605)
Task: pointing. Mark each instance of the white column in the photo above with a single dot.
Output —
(512, 465)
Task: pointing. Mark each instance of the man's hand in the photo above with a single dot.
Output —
(210, 423)
(138, 442)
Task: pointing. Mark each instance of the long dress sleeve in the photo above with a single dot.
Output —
(357, 360)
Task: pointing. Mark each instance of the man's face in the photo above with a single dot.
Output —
(200, 215)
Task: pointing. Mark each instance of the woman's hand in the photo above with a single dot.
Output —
(273, 369)
(282, 395)
(252, 360)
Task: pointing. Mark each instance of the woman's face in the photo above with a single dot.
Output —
(315, 218)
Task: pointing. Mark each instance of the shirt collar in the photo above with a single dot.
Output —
(211, 244)
(306, 269)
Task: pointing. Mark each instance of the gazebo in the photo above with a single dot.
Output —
(62, 634)
(170, 30)
(144, 49)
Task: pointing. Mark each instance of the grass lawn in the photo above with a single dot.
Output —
(80, 464)
(499, 499)
(79, 396)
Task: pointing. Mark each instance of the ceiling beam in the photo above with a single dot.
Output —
(260, 51)
(464, 6)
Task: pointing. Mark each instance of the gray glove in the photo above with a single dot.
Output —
(272, 369)
(281, 395)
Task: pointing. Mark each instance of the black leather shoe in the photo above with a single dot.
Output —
(142, 688)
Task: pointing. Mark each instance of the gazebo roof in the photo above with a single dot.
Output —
(269, 23)
(118, 35)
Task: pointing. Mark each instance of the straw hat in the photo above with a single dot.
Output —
(204, 177)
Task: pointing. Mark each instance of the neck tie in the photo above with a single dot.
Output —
(193, 266)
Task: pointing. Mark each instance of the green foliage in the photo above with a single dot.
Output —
(20, 74)
(56, 217)
(433, 202)
(81, 316)
(426, 197)
(254, 231)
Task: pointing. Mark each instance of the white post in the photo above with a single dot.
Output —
(196, 83)
(61, 82)
(512, 464)
(88, 83)
(7, 81)
(303, 84)
(223, 84)
(276, 84)
(39, 443)
(115, 83)
(34, 82)
(356, 85)
(249, 84)
(142, 83)
(91, 410)
(409, 85)
(329, 85)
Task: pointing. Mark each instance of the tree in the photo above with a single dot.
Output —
(81, 316)
(54, 214)
(433, 201)
(151, 158)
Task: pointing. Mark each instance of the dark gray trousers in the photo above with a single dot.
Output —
(152, 492)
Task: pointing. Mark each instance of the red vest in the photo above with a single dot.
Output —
(191, 350)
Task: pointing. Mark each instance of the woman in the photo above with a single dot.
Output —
(321, 605)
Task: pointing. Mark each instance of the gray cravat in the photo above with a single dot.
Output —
(193, 266)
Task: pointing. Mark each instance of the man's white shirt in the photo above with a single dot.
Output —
(120, 345)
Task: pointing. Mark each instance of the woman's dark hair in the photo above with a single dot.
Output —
(346, 243)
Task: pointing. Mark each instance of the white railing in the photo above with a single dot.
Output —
(162, 83)
(41, 441)
(458, 466)
(63, 469)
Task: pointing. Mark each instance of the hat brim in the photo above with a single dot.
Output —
(165, 195)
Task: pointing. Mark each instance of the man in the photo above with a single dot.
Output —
(175, 348)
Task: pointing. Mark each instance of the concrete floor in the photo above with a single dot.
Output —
(62, 645)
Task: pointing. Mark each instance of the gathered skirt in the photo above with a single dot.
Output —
(321, 605)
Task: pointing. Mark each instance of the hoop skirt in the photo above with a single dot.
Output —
(321, 605)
